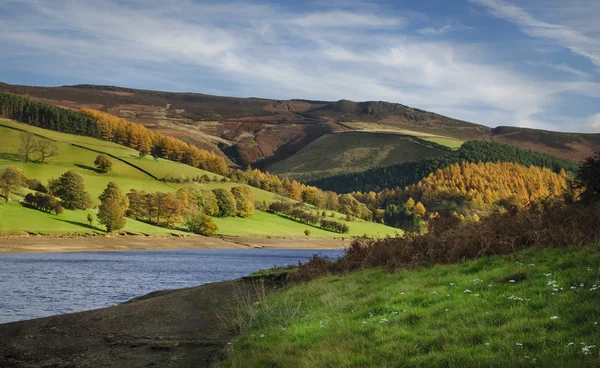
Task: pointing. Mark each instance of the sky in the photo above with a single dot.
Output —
(529, 63)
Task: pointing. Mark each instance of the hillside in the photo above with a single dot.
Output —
(535, 308)
(353, 151)
(410, 172)
(77, 153)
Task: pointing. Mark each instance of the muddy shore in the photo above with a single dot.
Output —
(190, 327)
(12, 244)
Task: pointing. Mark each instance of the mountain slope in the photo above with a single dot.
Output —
(262, 132)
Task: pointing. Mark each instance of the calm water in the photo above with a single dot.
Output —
(36, 285)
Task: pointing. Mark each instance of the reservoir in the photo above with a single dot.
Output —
(34, 285)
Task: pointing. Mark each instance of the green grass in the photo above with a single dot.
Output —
(263, 223)
(80, 160)
(17, 219)
(448, 142)
(424, 318)
(352, 151)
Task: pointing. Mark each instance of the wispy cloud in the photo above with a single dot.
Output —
(593, 122)
(577, 42)
(562, 67)
(432, 31)
(267, 50)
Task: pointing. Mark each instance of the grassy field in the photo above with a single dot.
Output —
(448, 142)
(266, 223)
(538, 309)
(17, 219)
(352, 151)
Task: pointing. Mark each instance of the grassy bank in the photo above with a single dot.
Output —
(539, 308)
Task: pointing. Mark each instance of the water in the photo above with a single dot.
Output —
(36, 285)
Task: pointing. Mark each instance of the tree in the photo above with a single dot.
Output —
(103, 164)
(46, 148)
(307, 232)
(204, 200)
(138, 208)
(226, 202)
(244, 201)
(199, 223)
(90, 219)
(28, 144)
(113, 205)
(419, 209)
(11, 179)
(70, 188)
(171, 208)
(588, 177)
(401, 217)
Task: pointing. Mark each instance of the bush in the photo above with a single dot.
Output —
(307, 232)
(199, 223)
(450, 241)
(44, 202)
(334, 226)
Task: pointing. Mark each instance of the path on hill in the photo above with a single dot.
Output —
(12, 244)
(178, 328)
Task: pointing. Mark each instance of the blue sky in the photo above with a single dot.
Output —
(532, 63)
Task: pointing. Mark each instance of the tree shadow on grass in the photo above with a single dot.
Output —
(11, 157)
(85, 167)
(82, 224)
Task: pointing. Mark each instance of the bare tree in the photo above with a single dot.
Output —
(28, 145)
(46, 149)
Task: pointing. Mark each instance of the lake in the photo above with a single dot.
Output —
(34, 285)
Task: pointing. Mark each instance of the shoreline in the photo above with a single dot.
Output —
(58, 244)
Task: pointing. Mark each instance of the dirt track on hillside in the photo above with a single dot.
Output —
(123, 243)
(179, 328)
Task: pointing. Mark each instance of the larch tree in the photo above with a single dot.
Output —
(226, 202)
(244, 201)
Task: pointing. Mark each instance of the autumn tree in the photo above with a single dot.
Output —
(226, 202)
(199, 223)
(113, 206)
(11, 179)
(138, 208)
(70, 188)
(183, 195)
(171, 208)
(204, 200)
(244, 200)
(419, 209)
(27, 147)
(103, 164)
(46, 148)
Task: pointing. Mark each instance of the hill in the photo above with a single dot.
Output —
(130, 171)
(410, 172)
(354, 151)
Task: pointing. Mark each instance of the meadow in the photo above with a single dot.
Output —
(538, 307)
(78, 153)
(353, 151)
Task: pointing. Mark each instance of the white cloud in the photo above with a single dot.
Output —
(432, 31)
(593, 122)
(265, 51)
(562, 67)
(570, 38)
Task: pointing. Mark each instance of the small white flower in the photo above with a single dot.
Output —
(447, 294)
(321, 326)
(283, 329)
(262, 335)
(526, 357)
(511, 281)
(487, 343)
(548, 274)
(434, 293)
(582, 285)
(571, 343)
(490, 285)
(573, 287)
(554, 317)
(404, 311)
(402, 293)
(383, 320)
(519, 344)
(364, 322)
(476, 294)
(370, 314)
(467, 291)
(595, 323)
(532, 265)
(451, 284)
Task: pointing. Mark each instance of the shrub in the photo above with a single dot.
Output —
(44, 202)
(103, 164)
(199, 223)
(307, 232)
